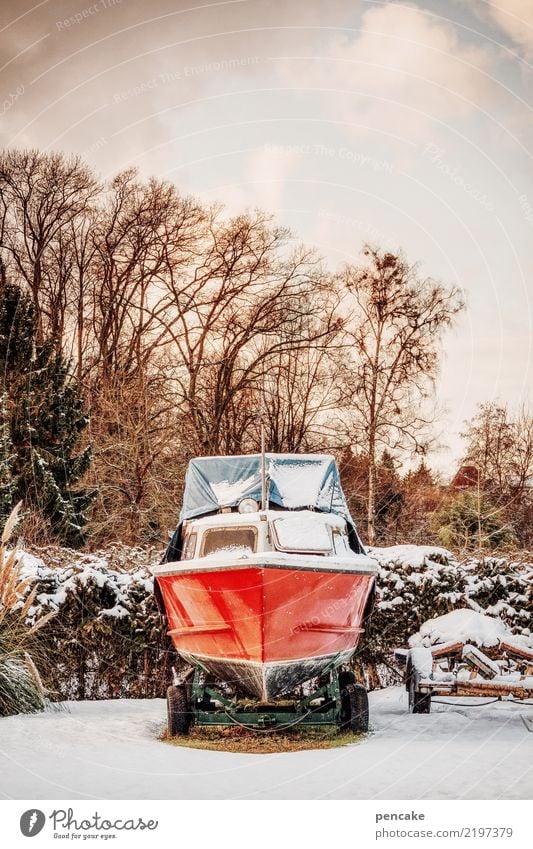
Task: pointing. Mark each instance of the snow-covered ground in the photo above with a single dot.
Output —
(110, 750)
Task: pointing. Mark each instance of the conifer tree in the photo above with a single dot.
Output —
(41, 423)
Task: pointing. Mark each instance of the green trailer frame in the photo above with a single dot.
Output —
(337, 702)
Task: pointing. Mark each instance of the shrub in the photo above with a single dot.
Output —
(416, 584)
(107, 638)
(469, 522)
(21, 690)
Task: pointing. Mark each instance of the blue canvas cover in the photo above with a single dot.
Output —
(294, 481)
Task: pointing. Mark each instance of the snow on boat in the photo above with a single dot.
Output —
(265, 599)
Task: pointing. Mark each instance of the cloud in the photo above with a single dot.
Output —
(515, 18)
(264, 175)
(405, 67)
(268, 169)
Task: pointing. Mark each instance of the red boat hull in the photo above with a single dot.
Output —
(265, 629)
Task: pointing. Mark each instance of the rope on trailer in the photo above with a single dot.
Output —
(265, 730)
(464, 704)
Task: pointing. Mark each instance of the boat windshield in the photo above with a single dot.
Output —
(240, 540)
(189, 546)
(304, 534)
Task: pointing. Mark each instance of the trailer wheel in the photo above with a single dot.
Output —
(178, 712)
(419, 702)
(354, 708)
(346, 677)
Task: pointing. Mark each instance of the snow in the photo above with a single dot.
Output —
(228, 493)
(303, 533)
(474, 654)
(356, 563)
(298, 480)
(111, 750)
(228, 552)
(415, 556)
(465, 626)
(84, 569)
(222, 519)
(297, 483)
(422, 660)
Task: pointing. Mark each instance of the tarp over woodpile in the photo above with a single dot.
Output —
(295, 481)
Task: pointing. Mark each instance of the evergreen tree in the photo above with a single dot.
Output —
(43, 420)
(472, 522)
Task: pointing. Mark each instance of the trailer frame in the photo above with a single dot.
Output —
(338, 701)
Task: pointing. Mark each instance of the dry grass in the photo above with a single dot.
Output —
(12, 586)
(262, 743)
(21, 688)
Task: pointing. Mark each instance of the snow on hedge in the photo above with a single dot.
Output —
(416, 584)
(415, 556)
(109, 640)
(427, 579)
(83, 571)
(106, 638)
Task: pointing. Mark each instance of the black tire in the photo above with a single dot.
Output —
(346, 677)
(178, 712)
(354, 708)
(419, 702)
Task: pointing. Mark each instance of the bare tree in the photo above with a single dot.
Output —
(300, 392)
(248, 298)
(42, 195)
(396, 320)
(500, 447)
(184, 325)
(145, 232)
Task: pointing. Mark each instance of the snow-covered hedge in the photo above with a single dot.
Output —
(106, 639)
(416, 583)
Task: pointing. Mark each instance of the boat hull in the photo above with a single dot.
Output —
(265, 629)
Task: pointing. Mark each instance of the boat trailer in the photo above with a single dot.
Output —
(461, 669)
(196, 700)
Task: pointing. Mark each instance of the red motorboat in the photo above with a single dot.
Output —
(265, 583)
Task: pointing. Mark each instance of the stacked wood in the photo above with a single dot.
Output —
(501, 671)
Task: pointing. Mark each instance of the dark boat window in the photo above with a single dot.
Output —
(236, 540)
(190, 546)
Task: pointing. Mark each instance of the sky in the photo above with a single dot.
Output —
(404, 124)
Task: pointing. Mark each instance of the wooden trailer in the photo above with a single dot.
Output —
(503, 671)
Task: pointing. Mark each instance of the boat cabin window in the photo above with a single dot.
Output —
(189, 546)
(341, 543)
(303, 534)
(238, 540)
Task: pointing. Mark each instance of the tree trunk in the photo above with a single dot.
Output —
(371, 502)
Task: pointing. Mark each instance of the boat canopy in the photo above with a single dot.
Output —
(294, 481)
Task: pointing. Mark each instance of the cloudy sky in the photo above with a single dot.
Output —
(407, 124)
